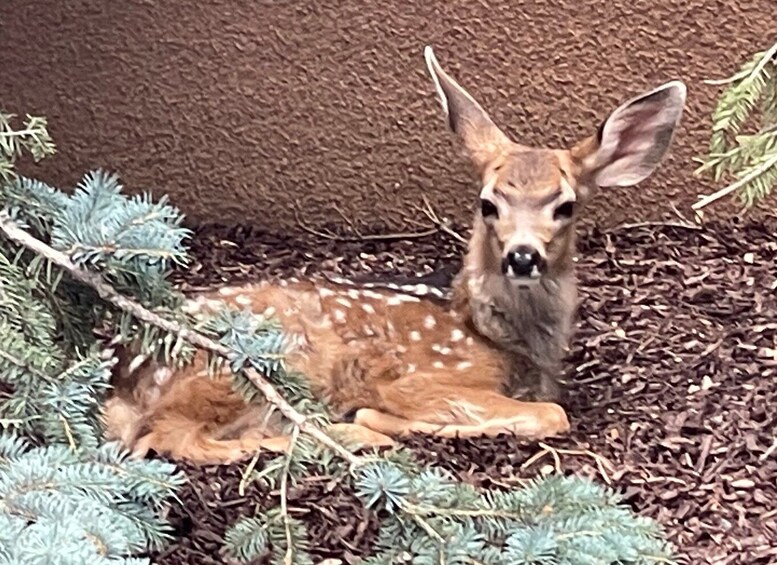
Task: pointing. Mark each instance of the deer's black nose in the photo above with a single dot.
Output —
(523, 261)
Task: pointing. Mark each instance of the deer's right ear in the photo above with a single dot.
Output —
(481, 138)
(635, 137)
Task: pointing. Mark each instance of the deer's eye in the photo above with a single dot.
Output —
(564, 211)
(488, 209)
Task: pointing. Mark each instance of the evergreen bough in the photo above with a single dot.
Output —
(751, 159)
(69, 497)
(66, 496)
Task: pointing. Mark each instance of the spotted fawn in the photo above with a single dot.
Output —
(388, 362)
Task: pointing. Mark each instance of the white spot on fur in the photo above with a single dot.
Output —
(269, 312)
(416, 288)
(415, 336)
(464, 365)
(445, 351)
(283, 283)
(430, 322)
(162, 374)
(353, 294)
(401, 349)
(325, 292)
(339, 316)
(438, 365)
(457, 335)
(368, 331)
(411, 368)
(343, 302)
(243, 300)
(470, 342)
(373, 295)
(392, 286)
(228, 291)
(398, 299)
(368, 308)
(192, 306)
(390, 327)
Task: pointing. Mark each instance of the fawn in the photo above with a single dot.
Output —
(389, 362)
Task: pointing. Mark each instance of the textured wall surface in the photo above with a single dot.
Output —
(269, 110)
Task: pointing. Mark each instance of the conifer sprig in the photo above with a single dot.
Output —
(32, 137)
(751, 159)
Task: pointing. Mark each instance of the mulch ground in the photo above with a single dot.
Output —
(671, 388)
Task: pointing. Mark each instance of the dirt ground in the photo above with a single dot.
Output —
(670, 388)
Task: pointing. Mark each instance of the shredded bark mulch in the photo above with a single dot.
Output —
(670, 388)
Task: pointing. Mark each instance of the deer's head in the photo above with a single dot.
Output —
(531, 197)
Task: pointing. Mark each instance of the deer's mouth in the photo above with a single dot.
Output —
(524, 265)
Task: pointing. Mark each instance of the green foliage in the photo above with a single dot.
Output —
(50, 354)
(268, 534)
(749, 95)
(259, 343)
(429, 517)
(33, 138)
(61, 506)
(248, 539)
(67, 497)
(433, 518)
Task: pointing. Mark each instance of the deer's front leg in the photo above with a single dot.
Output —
(530, 381)
(457, 411)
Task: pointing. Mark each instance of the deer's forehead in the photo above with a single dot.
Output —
(532, 177)
(530, 172)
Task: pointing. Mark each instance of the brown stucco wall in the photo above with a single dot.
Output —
(250, 110)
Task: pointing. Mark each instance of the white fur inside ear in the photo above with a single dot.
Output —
(637, 135)
(433, 66)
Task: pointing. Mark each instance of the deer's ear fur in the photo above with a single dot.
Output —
(481, 138)
(633, 140)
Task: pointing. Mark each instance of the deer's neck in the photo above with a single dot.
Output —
(533, 322)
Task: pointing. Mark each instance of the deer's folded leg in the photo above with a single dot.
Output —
(471, 413)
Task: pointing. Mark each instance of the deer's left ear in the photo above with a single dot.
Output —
(635, 137)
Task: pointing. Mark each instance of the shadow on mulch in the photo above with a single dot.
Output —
(671, 380)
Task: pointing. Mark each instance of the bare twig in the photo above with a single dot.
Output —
(683, 223)
(241, 489)
(392, 236)
(745, 74)
(602, 464)
(442, 224)
(680, 225)
(71, 441)
(289, 557)
(107, 293)
(733, 187)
